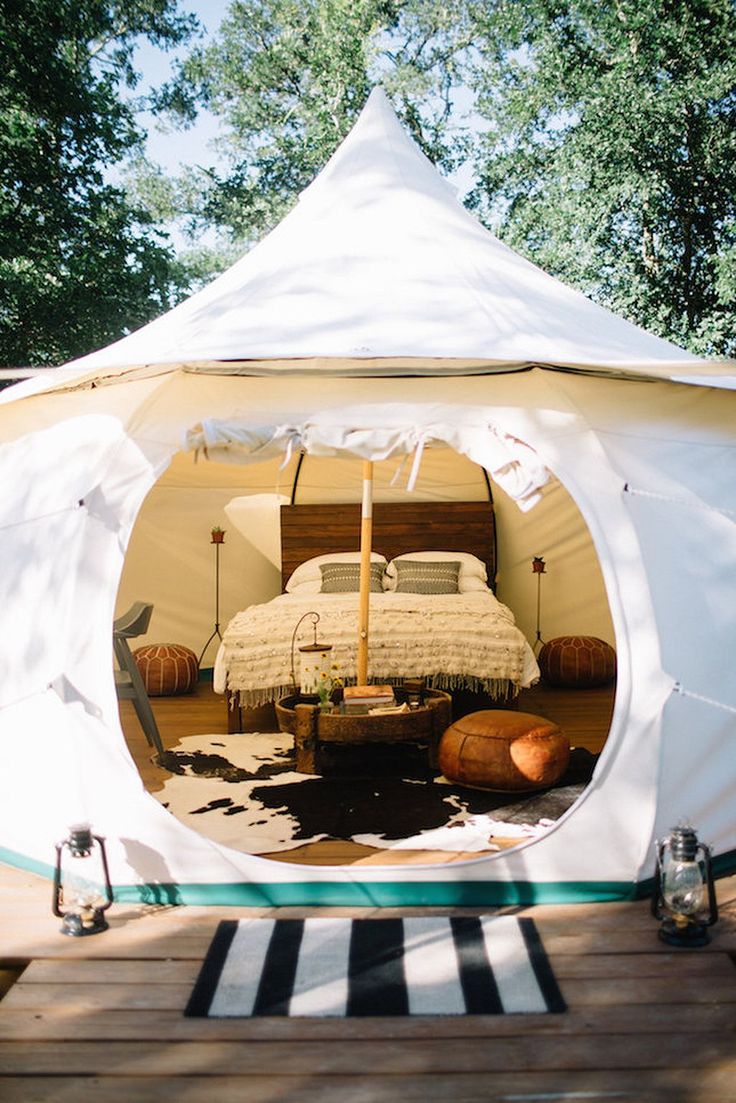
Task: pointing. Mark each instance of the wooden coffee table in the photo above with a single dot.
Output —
(312, 727)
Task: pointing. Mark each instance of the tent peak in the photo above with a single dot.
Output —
(377, 156)
(379, 263)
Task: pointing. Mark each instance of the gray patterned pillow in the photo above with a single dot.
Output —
(343, 578)
(417, 577)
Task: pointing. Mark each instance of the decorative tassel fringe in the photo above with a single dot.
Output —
(496, 688)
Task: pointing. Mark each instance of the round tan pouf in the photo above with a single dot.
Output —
(577, 662)
(167, 669)
(504, 750)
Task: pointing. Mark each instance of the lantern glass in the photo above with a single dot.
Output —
(683, 890)
(313, 662)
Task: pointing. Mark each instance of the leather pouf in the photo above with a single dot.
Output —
(167, 669)
(504, 750)
(577, 662)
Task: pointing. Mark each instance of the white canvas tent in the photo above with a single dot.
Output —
(376, 319)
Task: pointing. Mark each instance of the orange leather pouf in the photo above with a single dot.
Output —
(577, 662)
(504, 750)
(167, 669)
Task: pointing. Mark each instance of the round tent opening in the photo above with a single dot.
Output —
(232, 778)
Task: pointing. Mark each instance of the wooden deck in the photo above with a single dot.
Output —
(100, 1019)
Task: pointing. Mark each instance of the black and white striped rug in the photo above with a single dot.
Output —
(490, 965)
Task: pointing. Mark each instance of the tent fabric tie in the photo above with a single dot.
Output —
(685, 502)
(678, 688)
(81, 504)
(414, 473)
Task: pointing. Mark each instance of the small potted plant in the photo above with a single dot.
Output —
(218, 535)
(329, 689)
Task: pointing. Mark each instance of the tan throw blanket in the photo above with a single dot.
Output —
(453, 640)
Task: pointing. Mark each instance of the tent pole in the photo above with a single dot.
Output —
(366, 538)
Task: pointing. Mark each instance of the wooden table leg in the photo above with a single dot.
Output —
(306, 741)
(440, 719)
(234, 714)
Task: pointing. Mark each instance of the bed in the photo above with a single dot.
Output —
(459, 639)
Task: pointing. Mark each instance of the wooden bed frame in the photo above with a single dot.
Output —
(398, 527)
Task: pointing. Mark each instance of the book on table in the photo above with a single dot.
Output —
(373, 696)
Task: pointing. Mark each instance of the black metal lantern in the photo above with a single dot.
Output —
(81, 867)
(682, 882)
(312, 659)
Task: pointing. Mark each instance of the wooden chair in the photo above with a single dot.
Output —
(128, 682)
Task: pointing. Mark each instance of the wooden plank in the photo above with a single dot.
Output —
(158, 945)
(666, 991)
(665, 966)
(677, 1086)
(72, 973)
(70, 1021)
(390, 1056)
(96, 997)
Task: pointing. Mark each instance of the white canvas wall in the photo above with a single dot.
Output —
(664, 530)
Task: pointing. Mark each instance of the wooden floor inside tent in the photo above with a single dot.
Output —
(585, 715)
(100, 1020)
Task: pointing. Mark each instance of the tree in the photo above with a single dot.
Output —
(289, 77)
(609, 153)
(79, 265)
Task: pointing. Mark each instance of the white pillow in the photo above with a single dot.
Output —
(307, 578)
(473, 573)
(470, 585)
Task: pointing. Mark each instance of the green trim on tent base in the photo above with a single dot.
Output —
(12, 858)
(376, 894)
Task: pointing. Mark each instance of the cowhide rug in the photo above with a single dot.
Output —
(244, 792)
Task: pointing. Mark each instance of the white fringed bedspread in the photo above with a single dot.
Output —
(453, 641)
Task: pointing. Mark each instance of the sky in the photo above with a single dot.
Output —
(174, 148)
(171, 148)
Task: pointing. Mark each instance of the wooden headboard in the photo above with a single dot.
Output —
(398, 527)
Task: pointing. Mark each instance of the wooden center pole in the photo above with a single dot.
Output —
(366, 540)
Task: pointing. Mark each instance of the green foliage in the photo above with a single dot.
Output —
(610, 153)
(605, 134)
(78, 264)
(288, 79)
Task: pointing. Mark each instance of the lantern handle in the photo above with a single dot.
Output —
(56, 897)
(712, 903)
(657, 900)
(106, 870)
